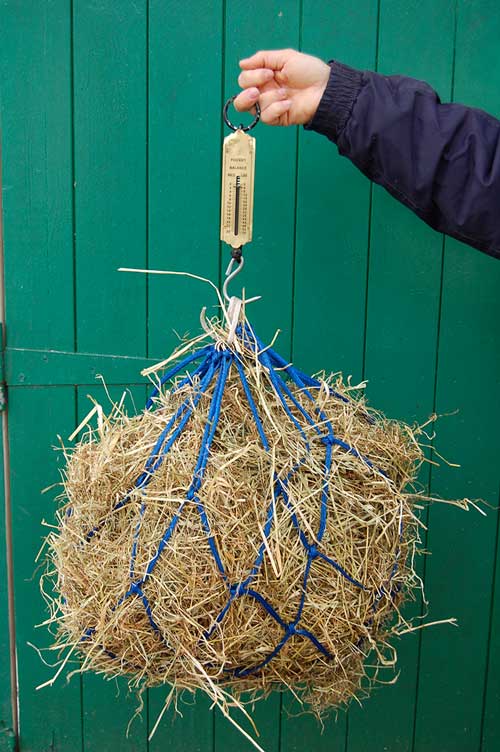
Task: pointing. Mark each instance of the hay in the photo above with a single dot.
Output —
(351, 605)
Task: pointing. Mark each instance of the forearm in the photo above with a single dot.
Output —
(440, 160)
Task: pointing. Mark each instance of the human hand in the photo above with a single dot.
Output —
(287, 84)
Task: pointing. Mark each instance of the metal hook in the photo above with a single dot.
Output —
(236, 305)
(231, 274)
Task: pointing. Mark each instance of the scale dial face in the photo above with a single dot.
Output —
(238, 170)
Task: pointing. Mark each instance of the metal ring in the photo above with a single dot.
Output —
(241, 127)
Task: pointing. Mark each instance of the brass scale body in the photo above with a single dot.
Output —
(238, 173)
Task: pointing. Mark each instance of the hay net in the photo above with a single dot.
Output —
(213, 368)
(300, 403)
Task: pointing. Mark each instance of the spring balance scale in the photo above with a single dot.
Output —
(237, 192)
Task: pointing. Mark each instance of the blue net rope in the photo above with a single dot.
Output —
(212, 372)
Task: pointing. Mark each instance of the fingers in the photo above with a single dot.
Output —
(267, 101)
(272, 114)
(270, 97)
(257, 77)
(246, 100)
(273, 59)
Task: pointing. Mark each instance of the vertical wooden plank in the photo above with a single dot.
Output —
(6, 725)
(333, 209)
(190, 730)
(109, 50)
(35, 105)
(266, 716)
(301, 731)
(460, 572)
(490, 726)
(108, 706)
(185, 103)
(35, 119)
(110, 88)
(49, 718)
(264, 24)
(268, 272)
(330, 265)
(185, 58)
(7, 719)
(402, 326)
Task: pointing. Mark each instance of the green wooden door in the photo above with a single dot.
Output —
(110, 133)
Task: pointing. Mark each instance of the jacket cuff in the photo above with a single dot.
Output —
(337, 101)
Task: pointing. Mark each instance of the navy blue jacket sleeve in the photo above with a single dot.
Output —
(440, 160)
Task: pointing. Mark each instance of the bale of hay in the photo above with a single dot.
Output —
(252, 529)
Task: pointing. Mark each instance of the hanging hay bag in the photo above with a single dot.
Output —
(253, 528)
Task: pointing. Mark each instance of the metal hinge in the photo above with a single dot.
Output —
(3, 385)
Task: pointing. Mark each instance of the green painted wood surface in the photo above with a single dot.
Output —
(50, 718)
(56, 368)
(332, 209)
(109, 93)
(333, 212)
(489, 725)
(110, 114)
(184, 129)
(464, 549)
(36, 124)
(111, 131)
(184, 107)
(6, 729)
(107, 705)
(401, 338)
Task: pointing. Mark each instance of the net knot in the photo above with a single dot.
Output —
(329, 439)
(237, 589)
(135, 589)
